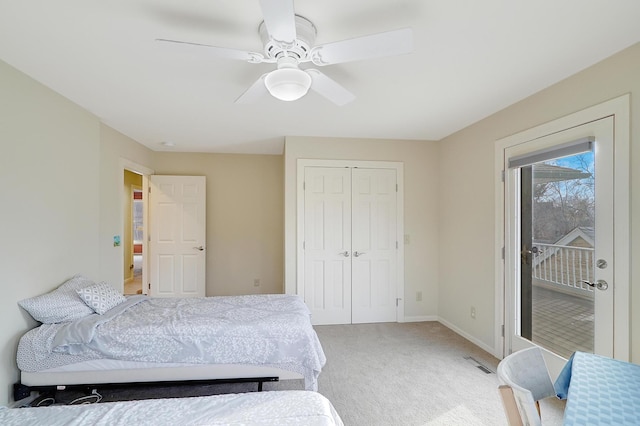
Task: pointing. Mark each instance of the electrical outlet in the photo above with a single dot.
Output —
(256, 282)
(418, 296)
(473, 312)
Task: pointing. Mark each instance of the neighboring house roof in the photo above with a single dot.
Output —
(584, 232)
(545, 173)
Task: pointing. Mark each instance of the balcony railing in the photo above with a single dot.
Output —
(564, 267)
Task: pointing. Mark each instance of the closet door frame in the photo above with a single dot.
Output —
(399, 168)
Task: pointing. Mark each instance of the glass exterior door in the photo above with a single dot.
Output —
(559, 257)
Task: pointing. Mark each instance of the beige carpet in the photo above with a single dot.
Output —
(412, 374)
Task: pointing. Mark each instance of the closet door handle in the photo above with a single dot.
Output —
(358, 253)
(344, 253)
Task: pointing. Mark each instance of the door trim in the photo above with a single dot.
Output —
(619, 109)
(399, 168)
(126, 164)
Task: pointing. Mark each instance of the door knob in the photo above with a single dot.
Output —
(200, 248)
(344, 253)
(525, 254)
(600, 284)
(358, 253)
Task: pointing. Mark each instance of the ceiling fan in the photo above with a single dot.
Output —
(288, 42)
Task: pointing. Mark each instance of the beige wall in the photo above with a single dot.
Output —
(467, 192)
(49, 218)
(57, 225)
(420, 207)
(244, 218)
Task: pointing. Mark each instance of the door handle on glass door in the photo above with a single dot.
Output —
(526, 254)
(600, 284)
(357, 253)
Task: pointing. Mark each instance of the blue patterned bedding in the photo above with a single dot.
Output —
(273, 330)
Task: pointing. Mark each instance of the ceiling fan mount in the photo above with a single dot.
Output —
(288, 41)
(299, 48)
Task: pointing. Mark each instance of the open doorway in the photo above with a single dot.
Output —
(134, 226)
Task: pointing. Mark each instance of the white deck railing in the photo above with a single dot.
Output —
(564, 266)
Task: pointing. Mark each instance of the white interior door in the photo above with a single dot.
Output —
(177, 236)
(327, 245)
(374, 245)
(560, 266)
(350, 244)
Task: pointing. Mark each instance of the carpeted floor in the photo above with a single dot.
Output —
(389, 374)
(412, 374)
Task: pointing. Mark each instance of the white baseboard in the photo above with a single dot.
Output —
(469, 337)
(420, 318)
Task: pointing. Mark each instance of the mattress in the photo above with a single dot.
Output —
(260, 330)
(260, 408)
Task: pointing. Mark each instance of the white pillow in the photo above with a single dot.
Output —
(101, 297)
(61, 304)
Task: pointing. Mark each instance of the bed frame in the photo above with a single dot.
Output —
(46, 381)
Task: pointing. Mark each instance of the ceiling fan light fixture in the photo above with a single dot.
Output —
(288, 84)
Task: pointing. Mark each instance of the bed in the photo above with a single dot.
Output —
(140, 339)
(257, 408)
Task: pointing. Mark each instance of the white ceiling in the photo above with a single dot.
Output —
(471, 58)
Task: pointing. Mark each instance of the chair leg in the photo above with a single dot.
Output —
(510, 406)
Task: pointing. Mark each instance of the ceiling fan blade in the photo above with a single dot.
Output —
(256, 91)
(279, 18)
(221, 52)
(372, 46)
(328, 88)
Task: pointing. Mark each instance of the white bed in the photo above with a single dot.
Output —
(259, 408)
(173, 340)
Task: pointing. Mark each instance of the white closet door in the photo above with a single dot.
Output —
(374, 250)
(350, 244)
(327, 230)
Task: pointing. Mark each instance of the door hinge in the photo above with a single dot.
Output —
(396, 245)
(304, 186)
(149, 190)
(502, 330)
(398, 301)
(502, 252)
(502, 175)
(396, 187)
(304, 245)
(149, 286)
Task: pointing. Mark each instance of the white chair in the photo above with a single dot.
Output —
(524, 380)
